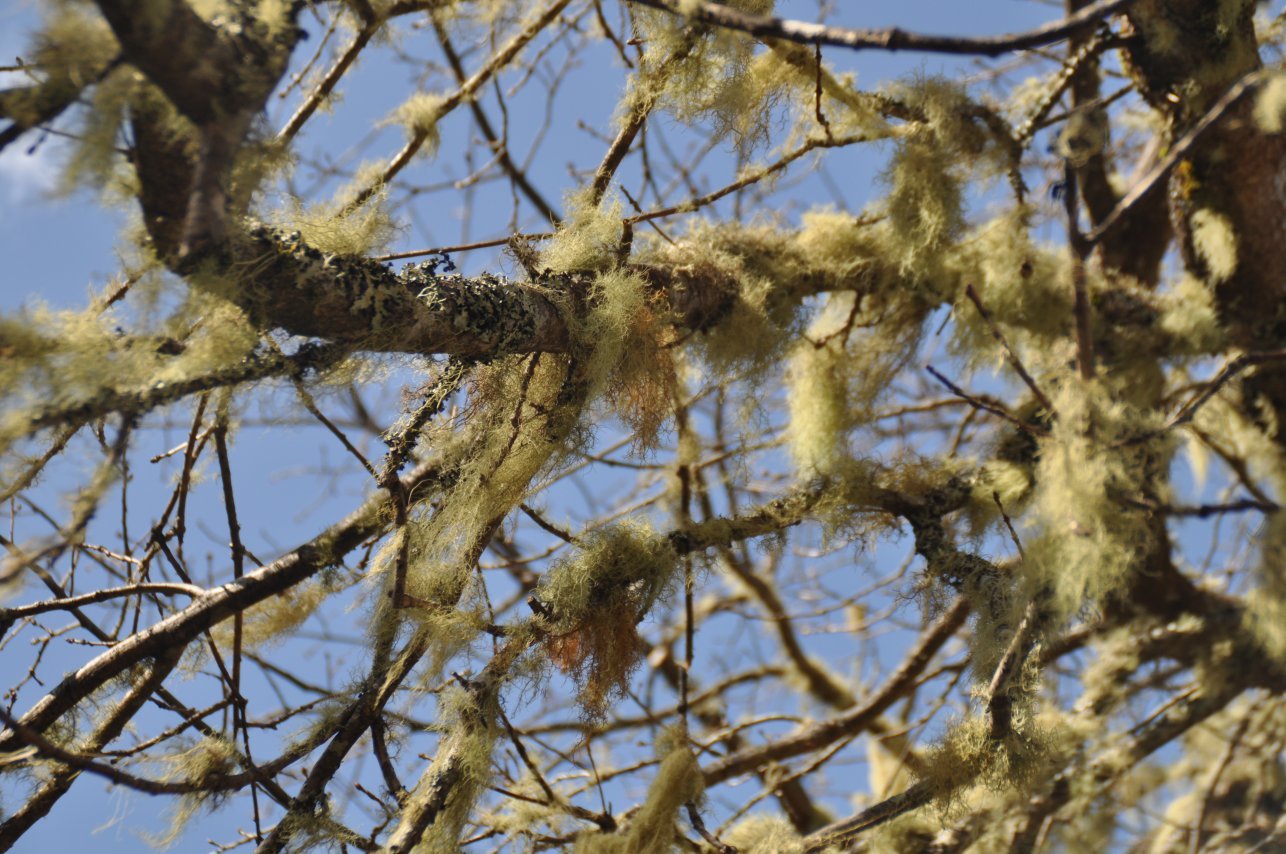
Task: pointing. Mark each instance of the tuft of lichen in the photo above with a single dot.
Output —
(1215, 242)
(589, 237)
(1270, 104)
(1021, 284)
(1267, 608)
(336, 227)
(209, 757)
(595, 598)
(652, 828)
(968, 754)
(632, 367)
(1189, 317)
(459, 773)
(521, 415)
(82, 358)
(703, 75)
(819, 412)
(841, 369)
(276, 618)
(419, 116)
(1091, 474)
(764, 834)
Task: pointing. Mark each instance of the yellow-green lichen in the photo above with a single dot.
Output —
(652, 829)
(1215, 241)
(595, 598)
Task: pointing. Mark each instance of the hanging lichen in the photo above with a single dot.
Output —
(459, 773)
(652, 828)
(595, 599)
(1090, 473)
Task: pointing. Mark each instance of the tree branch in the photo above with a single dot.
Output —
(893, 39)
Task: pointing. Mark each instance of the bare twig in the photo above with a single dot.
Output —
(1013, 357)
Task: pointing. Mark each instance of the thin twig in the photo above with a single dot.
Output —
(461, 247)
(1080, 249)
(1009, 351)
(979, 403)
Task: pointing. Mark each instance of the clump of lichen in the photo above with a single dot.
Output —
(337, 227)
(277, 617)
(706, 75)
(969, 754)
(418, 116)
(819, 412)
(73, 48)
(764, 834)
(1270, 105)
(1216, 243)
(678, 782)
(595, 599)
(66, 361)
(775, 271)
(841, 369)
(1022, 286)
(1093, 470)
(1267, 608)
(631, 367)
(463, 760)
(589, 237)
(925, 202)
(521, 413)
(208, 758)
(1190, 319)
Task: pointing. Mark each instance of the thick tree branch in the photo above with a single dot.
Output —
(894, 39)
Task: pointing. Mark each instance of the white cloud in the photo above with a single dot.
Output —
(27, 178)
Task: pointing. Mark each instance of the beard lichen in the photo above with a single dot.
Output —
(652, 829)
(595, 599)
(1094, 472)
(764, 834)
(210, 757)
(522, 412)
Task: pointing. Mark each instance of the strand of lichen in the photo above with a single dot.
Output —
(1090, 468)
(652, 828)
(435, 812)
(595, 597)
(204, 343)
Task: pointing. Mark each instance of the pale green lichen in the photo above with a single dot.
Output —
(63, 360)
(419, 116)
(1216, 242)
(461, 767)
(764, 834)
(277, 618)
(703, 75)
(589, 237)
(1022, 285)
(1267, 608)
(1091, 469)
(652, 829)
(337, 227)
(595, 598)
(632, 367)
(924, 205)
(210, 757)
(1190, 318)
(817, 394)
